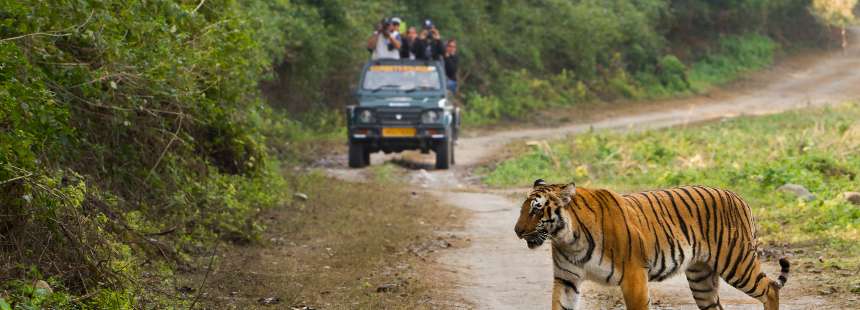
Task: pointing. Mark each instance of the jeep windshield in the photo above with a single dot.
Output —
(401, 78)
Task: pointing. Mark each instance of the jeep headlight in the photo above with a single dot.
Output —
(365, 116)
(430, 117)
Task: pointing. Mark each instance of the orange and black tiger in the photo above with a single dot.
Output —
(628, 240)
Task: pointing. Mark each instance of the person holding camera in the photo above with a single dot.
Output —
(385, 41)
(429, 43)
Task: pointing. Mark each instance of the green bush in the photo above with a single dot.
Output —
(673, 74)
(132, 132)
(736, 55)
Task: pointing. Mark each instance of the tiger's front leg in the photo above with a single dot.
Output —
(565, 294)
(567, 281)
(634, 286)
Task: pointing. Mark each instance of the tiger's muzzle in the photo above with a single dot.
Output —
(535, 238)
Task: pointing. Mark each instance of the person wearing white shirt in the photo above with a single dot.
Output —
(385, 42)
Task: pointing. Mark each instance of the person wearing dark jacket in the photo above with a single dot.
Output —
(450, 58)
(407, 47)
(429, 43)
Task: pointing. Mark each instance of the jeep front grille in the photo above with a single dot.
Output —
(398, 116)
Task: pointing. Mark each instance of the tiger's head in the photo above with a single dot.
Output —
(540, 214)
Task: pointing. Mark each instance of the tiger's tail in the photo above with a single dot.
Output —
(783, 272)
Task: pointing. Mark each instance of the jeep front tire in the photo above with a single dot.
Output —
(444, 154)
(358, 156)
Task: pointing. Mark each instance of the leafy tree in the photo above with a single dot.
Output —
(838, 13)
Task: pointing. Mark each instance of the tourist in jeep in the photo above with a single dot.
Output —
(450, 58)
(385, 41)
(429, 43)
(407, 47)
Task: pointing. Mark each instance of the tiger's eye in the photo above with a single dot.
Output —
(536, 206)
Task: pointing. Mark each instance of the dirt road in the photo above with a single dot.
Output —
(498, 272)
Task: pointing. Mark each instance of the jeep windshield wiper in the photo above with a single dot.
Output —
(420, 88)
(384, 87)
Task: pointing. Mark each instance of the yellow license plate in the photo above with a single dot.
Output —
(398, 132)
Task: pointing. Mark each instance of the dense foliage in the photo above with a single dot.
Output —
(521, 55)
(133, 134)
(130, 127)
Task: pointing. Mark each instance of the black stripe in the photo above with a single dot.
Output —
(650, 228)
(567, 283)
(745, 215)
(560, 224)
(755, 285)
(681, 221)
(673, 242)
(726, 212)
(658, 250)
(706, 236)
(588, 237)
(557, 265)
(737, 265)
(764, 292)
(700, 279)
(729, 255)
(602, 206)
(698, 211)
(747, 276)
(694, 240)
(627, 229)
(717, 229)
(695, 290)
(584, 203)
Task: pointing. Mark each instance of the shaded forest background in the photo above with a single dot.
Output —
(138, 134)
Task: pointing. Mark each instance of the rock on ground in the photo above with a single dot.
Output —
(853, 197)
(797, 190)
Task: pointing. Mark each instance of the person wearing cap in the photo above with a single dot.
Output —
(396, 22)
(429, 43)
(385, 41)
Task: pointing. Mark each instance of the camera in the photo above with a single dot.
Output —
(428, 25)
(383, 25)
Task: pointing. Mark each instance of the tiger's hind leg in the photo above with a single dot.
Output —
(705, 285)
(756, 284)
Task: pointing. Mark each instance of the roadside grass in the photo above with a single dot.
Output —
(816, 148)
(336, 249)
(739, 55)
(385, 173)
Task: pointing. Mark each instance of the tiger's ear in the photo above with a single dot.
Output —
(539, 182)
(567, 192)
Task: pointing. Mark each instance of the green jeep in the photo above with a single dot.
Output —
(402, 105)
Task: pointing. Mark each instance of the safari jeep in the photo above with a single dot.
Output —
(402, 105)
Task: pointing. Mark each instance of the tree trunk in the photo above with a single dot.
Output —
(844, 40)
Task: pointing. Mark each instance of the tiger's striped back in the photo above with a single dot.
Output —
(702, 230)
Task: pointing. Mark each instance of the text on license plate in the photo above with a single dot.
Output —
(398, 132)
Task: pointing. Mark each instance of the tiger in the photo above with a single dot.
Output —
(628, 240)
